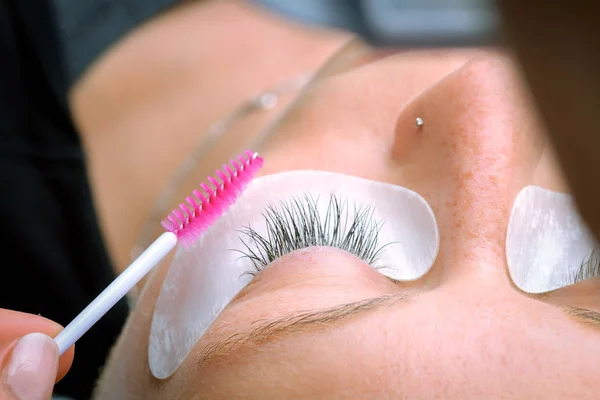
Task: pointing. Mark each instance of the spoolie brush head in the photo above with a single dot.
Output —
(204, 207)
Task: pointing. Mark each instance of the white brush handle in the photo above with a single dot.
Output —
(115, 291)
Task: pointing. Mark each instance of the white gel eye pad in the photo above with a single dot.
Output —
(204, 278)
(547, 241)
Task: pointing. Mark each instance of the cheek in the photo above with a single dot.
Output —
(127, 373)
(348, 362)
(473, 343)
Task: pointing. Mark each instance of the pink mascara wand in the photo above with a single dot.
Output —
(184, 225)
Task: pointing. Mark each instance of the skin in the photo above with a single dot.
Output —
(478, 347)
(16, 324)
(463, 331)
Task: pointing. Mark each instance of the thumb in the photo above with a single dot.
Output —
(30, 370)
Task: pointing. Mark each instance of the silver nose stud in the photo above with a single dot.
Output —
(419, 122)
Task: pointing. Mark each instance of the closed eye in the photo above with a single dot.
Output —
(302, 222)
(590, 268)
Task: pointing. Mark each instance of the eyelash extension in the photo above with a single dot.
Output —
(590, 268)
(297, 224)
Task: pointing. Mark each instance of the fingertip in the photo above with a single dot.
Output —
(16, 324)
(65, 362)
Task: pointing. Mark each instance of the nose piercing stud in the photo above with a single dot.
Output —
(419, 122)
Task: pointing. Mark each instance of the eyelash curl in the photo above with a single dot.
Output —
(297, 224)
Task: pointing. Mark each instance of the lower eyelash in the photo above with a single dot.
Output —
(297, 224)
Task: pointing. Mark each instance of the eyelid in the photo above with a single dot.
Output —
(315, 272)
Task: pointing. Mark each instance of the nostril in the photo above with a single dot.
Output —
(406, 135)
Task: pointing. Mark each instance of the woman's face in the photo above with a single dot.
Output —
(341, 329)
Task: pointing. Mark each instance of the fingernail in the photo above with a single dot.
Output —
(32, 368)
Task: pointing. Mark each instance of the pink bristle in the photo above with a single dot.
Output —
(185, 212)
(173, 219)
(227, 168)
(168, 225)
(179, 215)
(192, 202)
(215, 183)
(208, 190)
(200, 196)
(190, 220)
(172, 222)
(222, 176)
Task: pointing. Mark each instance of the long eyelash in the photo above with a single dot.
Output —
(590, 267)
(297, 224)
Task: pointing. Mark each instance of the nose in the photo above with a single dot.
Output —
(478, 145)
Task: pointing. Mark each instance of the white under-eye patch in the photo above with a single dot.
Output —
(203, 279)
(547, 241)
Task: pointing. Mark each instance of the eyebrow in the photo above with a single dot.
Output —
(263, 331)
(583, 315)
